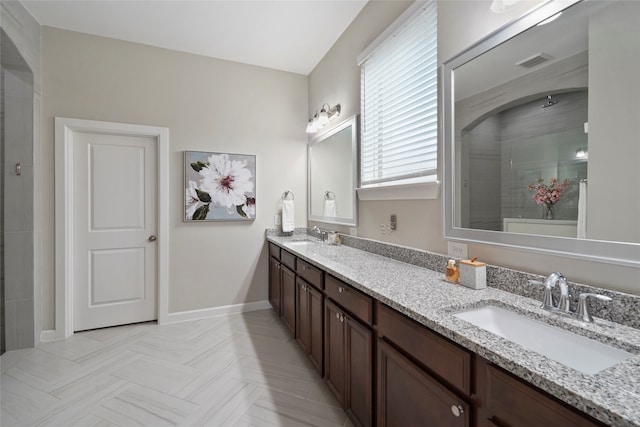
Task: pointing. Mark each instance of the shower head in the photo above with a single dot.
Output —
(549, 102)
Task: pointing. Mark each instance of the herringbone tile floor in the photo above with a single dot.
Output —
(237, 370)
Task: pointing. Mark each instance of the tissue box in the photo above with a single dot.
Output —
(473, 274)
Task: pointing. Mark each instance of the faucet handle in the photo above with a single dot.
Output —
(583, 309)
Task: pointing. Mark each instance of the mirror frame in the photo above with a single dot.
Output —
(354, 123)
(620, 253)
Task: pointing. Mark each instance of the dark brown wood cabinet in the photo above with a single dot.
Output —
(442, 358)
(309, 321)
(348, 362)
(288, 289)
(334, 349)
(282, 286)
(407, 396)
(420, 375)
(415, 376)
(274, 284)
(506, 401)
(358, 393)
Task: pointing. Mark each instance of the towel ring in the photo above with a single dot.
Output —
(328, 194)
(286, 194)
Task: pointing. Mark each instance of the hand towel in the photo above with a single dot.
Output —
(329, 208)
(582, 211)
(288, 223)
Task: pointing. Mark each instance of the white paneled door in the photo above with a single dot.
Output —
(115, 226)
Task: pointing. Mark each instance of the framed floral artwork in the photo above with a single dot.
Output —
(219, 186)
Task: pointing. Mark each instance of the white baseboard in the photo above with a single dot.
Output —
(182, 316)
(49, 335)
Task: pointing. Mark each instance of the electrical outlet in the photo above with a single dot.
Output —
(353, 231)
(458, 250)
(276, 219)
(393, 222)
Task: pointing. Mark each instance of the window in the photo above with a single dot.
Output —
(399, 101)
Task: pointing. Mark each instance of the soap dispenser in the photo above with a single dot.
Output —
(452, 273)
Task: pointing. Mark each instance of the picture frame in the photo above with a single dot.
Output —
(219, 186)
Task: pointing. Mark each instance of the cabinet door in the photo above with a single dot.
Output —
(334, 350)
(408, 396)
(288, 279)
(358, 372)
(316, 323)
(274, 284)
(302, 315)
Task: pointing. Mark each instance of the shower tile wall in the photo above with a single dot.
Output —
(18, 209)
(22, 222)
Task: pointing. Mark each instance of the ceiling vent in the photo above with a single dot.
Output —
(534, 60)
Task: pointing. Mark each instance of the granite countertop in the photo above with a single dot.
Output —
(611, 396)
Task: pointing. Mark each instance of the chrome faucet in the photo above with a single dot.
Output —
(322, 235)
(564, 304)
(549, 283)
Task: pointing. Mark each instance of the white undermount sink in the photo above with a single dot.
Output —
(575, 351)
(301, 243)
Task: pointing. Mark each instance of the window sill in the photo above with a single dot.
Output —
(422, 191)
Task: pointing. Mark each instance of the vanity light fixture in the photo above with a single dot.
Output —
(500, 6)
(321, 118)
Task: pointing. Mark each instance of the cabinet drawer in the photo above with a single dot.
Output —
(288, 259)
(512, 402)
(274, 250)
(311, 274)
(445, 359)
(354, 301)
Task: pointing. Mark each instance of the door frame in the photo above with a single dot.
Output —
(64, 221)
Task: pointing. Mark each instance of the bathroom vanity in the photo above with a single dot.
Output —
(383, 335)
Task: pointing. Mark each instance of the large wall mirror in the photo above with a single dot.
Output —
(333, 175)
(542, 134)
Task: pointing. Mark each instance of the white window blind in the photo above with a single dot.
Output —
(399, 101)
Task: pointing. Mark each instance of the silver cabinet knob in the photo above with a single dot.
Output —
(457, 410)
(340, 289)
(152, 238)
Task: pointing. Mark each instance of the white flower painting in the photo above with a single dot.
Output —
(219, 186)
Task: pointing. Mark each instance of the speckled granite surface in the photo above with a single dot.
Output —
(611, 396)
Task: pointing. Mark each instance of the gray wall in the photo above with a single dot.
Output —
(208, 105)
(614, 118)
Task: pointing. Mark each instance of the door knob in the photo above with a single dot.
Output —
(152, 238)
(457, 410)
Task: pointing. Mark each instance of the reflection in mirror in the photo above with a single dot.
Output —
(542, 135)
(333, 174)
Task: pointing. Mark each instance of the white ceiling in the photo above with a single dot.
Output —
(289, 35)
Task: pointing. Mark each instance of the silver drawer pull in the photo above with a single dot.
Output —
(457, 410)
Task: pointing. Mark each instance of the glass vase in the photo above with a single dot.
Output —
(547, 213)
